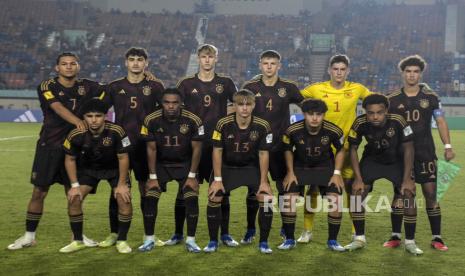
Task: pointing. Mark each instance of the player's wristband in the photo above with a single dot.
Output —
(191, 175)
(218, 178)
(337, 172)
(447, 146)
(75, 185)
(153, 176)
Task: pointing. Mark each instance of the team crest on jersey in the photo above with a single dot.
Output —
(81, 90)
(424, 103)
(282, 92)
(184, 128)
(146, 90)
(324, 140)
(254, 135)
(107, 141)
(348, 94)
(219, 88)
(390, 132)
(61, 93)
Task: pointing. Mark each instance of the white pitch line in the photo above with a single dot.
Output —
(15, 138)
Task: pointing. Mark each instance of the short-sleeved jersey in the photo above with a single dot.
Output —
(173, 138)
(313, 150)
(55, 128)
(418, 112)
(132, 102)
(207, 99)
(97, 152)
(342, 103)
(241, 146)
(272, 102)
(384, 143)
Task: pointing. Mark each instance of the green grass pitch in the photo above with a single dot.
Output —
(313, 258)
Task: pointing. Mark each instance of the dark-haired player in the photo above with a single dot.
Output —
(99, 153)
(241, 143)
(205, 94)
(60, 99)
(273, 95)
(174, 143)
(418, 105)
(388, 154)
(341, 96)
(133, 98)
(310, 161)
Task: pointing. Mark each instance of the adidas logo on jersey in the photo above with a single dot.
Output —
(122, 92)
(400, 106)
(27, 117)
(258, 94)
(194, 91)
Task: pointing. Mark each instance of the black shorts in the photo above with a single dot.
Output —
(92, 178)
(235, 177)
(425, 171)
(48, 167)
(138, 161)
(167, 173)
(277, 165)
(205, 164)
(316, 178)
(372, 171)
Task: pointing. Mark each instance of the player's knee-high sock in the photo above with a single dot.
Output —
(334, 224)
(151, 210)
(225, 212)
(434, 216)
(358, 220)
(347, 205)
(32, 221)
(265, 219)
(113, 213)
(179, 214)
(309, 216)
(397, 214)
(213, 219)
(124, 222)
(76, 222)
(252, 210)
(289, 224)
(192, 210)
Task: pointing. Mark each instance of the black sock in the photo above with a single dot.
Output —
(358, 219)
(179, 214)
(334, 224)
(191, 200)
(76, 222)
(113, 213)
(252, 209)
(142, 203)
(213, 219)
(265, 219)
(410, 223)
(289, 225)
(434, 216)
(32, 221)
(150, 210)
(397, 215)
(225, 211)
(124, 222)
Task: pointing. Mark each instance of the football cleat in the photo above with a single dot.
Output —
(175, 239)
(147, 246)
(393, 242)
(191, 246)
(248, 237)
(334, 245)
(229, 241)
(264, 248)
(123, 247)
(110, 240)
(89, 242)
(438, 244)
(73, 246)
(357, 243)
(412, 248)
(287, 244)
(158, 242)
(211, 247)
(22, 243)
(306, 237)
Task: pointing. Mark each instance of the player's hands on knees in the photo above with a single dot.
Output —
(74, 193)
(408, 186)
(151, 184)
(337, 180)
(214, 188)
(264, 188)
(288, 180)
(192, 183)
(358, 187)
(81, 125)
(124, 192)
(449, 154)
